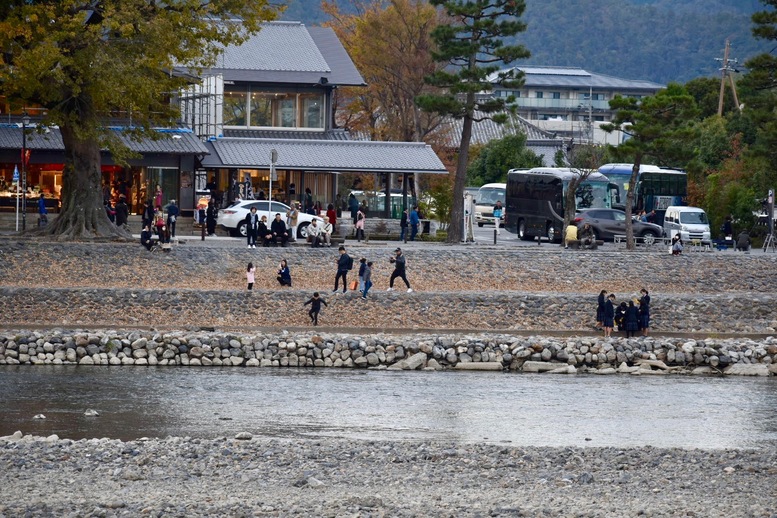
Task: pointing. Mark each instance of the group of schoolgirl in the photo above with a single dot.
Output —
(630, 317)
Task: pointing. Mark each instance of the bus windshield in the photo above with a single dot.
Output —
(591, 195)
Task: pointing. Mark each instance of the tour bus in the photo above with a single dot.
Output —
(487, 197)
(656, 189)
(535, 199)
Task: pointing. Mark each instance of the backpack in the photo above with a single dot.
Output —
(349, 263)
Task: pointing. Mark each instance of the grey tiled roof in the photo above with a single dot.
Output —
(174, 141)
(291, 53)
(337, 134)
(574, 77)
(325, 155)
(486, 130)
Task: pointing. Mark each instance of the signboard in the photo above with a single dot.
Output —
(15, 174)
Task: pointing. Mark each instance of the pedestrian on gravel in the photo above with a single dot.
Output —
(367, 279)
(609, 315)
(399, 270)
(344, 264)
(362, 267)
(284, 274)
(250, 274)
(315, 308)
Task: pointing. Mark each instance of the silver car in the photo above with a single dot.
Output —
(233, 217)
(607, 223)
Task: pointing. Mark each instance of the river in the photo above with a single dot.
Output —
(466, 407)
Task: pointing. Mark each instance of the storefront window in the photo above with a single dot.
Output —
(261, 109)
(167, 179)
(235, 108)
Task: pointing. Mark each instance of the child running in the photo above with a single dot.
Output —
(315, 307)
(250, 273)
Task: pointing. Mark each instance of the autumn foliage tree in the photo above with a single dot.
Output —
(85, 61)
(472, 47)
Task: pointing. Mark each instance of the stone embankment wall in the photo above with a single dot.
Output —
(494, 352)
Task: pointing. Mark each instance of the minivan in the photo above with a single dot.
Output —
(690, 222)
(487, 197)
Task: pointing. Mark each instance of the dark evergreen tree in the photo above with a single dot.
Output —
(473, 46)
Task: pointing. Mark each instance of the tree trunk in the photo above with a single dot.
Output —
(570, 207)
(630, 201)
(456, 227)
(83, 213)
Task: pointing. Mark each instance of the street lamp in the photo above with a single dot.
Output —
(25, 123)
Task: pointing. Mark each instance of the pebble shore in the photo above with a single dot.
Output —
(245, 476)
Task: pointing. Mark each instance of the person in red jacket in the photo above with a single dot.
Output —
(331, 213)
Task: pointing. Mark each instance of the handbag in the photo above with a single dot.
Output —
(353, 285)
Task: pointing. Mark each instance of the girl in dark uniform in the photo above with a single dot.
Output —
(600, 309)
(644, 311)
(632, 320)
(609, 315)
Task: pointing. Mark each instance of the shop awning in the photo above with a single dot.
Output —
(324, 155)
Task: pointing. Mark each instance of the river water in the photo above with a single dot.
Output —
(468, 407)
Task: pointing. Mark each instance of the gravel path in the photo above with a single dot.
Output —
(331, 477)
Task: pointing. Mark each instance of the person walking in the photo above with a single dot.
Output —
(315, 307)
(250, 275)
(344, 264)
(644, 311)
(353, 206)
(362, 267)
(284, 274)
(414, 221)
(399, 270)
(498, 210)
(609, 315)
(252, 227)
(292, 215)
(172, 216)
(367, 279)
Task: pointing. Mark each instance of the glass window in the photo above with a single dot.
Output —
(284, 112)
(312, 106)
(539, 95)
(235, 108)
(261, 109)
(555, 95)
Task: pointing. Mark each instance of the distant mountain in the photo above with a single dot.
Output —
(658, 40)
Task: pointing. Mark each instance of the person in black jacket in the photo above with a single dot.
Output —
(278, 230)
(644, 311)
(145, 238)
(609, 315)
(315, 307)
(631, 320)
(122, 211)
(252, 227)
(148, 214)
(172, 217)
(210, 218)
(344, 263)
(399, 270)
(264, 231)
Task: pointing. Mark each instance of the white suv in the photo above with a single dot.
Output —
(233, 217)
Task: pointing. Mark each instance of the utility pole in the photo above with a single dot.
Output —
(725, 72)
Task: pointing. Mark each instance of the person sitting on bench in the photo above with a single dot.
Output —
(326, 232)
(314, 234)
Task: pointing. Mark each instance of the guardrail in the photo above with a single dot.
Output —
(694, 245)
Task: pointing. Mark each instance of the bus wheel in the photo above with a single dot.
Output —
(522, 231)
(551, 233)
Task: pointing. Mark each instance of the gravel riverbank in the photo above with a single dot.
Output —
(331, 477)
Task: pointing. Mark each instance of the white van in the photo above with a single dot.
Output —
(690, 222)
(487, 197)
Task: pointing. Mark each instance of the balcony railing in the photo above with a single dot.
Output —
(561, 104)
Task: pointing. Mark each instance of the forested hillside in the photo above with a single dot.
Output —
(659, 40)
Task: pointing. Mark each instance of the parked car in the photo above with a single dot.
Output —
(606, 223)
(233, 217)
(690, 222)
